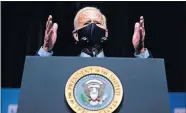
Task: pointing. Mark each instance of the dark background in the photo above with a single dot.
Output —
(23, 25)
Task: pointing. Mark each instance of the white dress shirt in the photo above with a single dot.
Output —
(44, 53)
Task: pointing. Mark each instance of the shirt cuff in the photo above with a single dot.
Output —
(143, 55)
(44, 53)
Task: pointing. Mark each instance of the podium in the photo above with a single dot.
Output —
(44, 85)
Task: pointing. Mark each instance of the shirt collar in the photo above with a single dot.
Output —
(100, 55)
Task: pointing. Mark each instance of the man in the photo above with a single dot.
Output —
(90, 32)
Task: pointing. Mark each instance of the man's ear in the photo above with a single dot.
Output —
(75, 35)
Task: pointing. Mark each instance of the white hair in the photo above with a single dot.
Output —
(88, 8)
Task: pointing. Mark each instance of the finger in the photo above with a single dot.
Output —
(54, 35)
(49, 27)
(50, 33)
(141, 30)
(136, 27)
(141, 17)
(142, 33)
(55, 27)
(141, 21)
(49, 19)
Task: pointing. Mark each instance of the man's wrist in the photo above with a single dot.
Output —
(44, 53)
(144, 54)
(142, 50)
(137, 51)
(46, 49)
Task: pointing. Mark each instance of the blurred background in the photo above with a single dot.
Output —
(23, 26)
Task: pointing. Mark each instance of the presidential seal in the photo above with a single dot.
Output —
(94, 89)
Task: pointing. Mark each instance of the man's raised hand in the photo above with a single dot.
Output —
(50, 34)
(139, 36)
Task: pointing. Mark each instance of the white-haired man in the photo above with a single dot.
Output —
(90, 32)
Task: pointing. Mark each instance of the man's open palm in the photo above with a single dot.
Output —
(139, 35)
(50, 34)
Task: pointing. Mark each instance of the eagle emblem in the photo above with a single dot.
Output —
(94, 89)
(94, 92)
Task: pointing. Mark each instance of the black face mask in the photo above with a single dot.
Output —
(91, 39)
